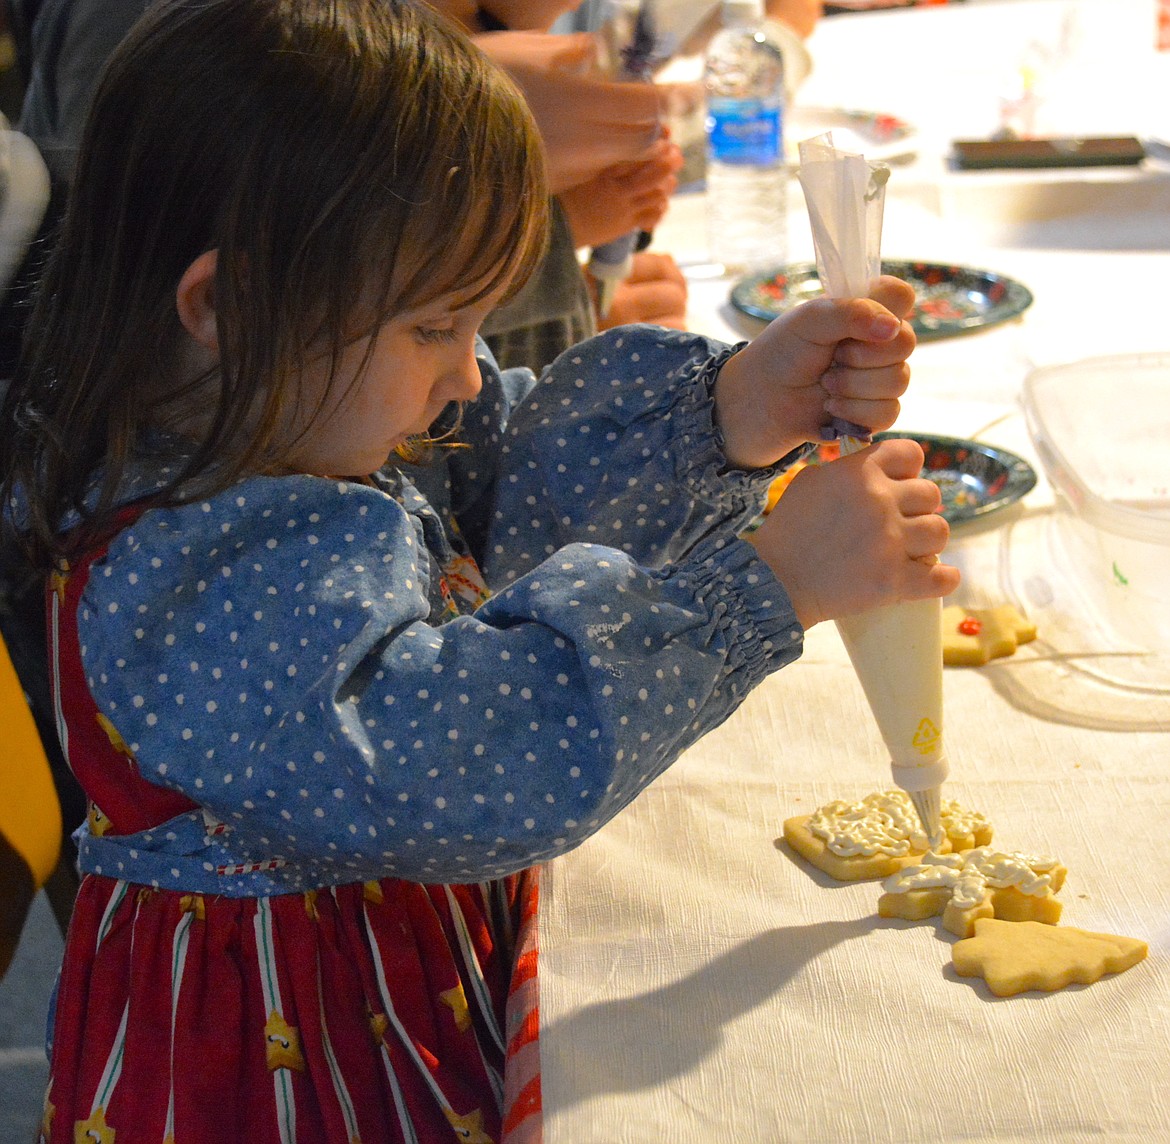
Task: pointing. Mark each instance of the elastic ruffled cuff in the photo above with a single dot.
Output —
(698, 446)
(748, 604)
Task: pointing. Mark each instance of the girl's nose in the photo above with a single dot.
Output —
(464, 380)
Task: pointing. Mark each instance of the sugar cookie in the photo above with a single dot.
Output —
(979, 883)
(1013, 957)
(876, 837)
(972, 636)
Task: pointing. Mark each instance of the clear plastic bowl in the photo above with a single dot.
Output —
(1101, 428)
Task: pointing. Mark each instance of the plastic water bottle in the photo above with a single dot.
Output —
(747, 182)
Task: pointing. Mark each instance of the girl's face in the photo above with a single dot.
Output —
(389, 385)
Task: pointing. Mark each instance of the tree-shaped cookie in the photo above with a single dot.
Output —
(1013, 957)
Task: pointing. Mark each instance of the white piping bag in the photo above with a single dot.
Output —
(896, 650)
(612, 263)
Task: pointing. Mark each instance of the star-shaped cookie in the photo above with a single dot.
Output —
(1013, 957)
(972, 636)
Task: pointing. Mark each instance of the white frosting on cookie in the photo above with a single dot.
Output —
(970, 875)
(886, 823)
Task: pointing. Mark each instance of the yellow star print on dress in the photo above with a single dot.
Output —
(282, 1044)
(456, 1000)
(469, 1128)
(94, 1130)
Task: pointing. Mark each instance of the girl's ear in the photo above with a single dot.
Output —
(195, 300)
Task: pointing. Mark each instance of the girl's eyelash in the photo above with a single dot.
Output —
(434, 336)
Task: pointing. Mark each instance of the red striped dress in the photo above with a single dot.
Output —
(384, 1011)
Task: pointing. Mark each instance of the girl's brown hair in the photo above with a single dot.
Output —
(348, 159)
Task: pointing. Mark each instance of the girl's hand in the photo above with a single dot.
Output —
(858, 533)
(655, 292)
(625, 197)
(826, 358)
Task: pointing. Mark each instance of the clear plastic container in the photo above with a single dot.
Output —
(1101, 428)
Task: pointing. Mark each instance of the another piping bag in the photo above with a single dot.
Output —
(896, 650)
(633, 25)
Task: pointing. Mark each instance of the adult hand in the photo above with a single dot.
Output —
(588, 123)
(823, 359)
(655, 292)
(800, 15)
(858, 533)
(625, 197)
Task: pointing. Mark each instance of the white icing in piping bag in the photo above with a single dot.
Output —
(897, 650)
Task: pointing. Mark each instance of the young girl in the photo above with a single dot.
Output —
(323, 756)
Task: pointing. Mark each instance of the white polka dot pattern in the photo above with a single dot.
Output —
(280, 653)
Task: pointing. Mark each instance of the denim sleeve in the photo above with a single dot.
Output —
(618, 445)
(271, 654)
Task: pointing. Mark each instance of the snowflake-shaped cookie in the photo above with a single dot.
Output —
(981, 883)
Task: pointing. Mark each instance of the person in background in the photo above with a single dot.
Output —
(684, 29)
(558, 307)
(352, 631)
(555, 310)
(608, 166)
(599, 135)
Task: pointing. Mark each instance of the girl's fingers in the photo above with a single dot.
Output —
(827, 321)
(918, 497)
(877, 416)
(928, 581)
(925, 536)
(899, 457)
(854, 354)
(940, 580)
(893, 293)
(866, 397)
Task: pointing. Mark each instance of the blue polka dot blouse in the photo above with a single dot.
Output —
(316, 664)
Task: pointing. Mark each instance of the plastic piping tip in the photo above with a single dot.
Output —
(928, 804)
(606, 288)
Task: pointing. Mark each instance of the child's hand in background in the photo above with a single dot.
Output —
(826, 358)
(858, 533)
(624, 197)
(655, 292)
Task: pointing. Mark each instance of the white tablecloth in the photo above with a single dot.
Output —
(699, 983)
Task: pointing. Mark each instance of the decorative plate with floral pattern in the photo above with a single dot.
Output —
(952, 300)
(975, 479)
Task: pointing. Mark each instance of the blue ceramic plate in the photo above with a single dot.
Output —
(952, 300)
(975, 479)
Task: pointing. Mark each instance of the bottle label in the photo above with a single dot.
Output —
(745, 132)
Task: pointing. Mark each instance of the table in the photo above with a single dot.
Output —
(699, 983)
